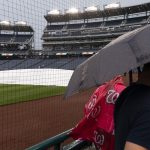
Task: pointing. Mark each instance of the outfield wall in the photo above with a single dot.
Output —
(58, 77)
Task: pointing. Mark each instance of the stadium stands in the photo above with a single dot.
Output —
(54, 27)
(93, 25)
(16, 39)
(68, 39)
(4, 38)
(63, 63)
(22, 38)
(74, 26)
(114, 23)
(91, 29)
(137, 20)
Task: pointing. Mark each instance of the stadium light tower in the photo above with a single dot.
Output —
(72, 11)
(54, 12)
(112, 6)
(91, 9)
(4, 22)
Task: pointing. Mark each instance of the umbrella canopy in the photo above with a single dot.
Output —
(121, 55)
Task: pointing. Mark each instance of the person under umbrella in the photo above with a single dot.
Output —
(132, 115)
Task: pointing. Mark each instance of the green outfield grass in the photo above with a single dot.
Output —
(10, 94)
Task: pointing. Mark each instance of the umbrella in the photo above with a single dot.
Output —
(121, 55)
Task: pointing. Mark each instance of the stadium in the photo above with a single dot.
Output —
(33, 80)
(62, 38)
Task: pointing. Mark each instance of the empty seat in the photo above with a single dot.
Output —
(5, 37)
(93, 24)
(113, 23)
(21, 38)
(77, 33)
(74, 26)
(54, 27)
(137, 20)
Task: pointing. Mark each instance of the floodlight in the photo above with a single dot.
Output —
(54, 12)
(7, 54)
(91, 9)
(72, 11)
(112, 6)
(5, 22)
(87, 53)
(22, 23)
(61, 54)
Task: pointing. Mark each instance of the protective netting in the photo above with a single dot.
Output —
(37, 59)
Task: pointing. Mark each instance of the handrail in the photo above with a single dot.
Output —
(79, 145)
(54, 141)
(57, 140)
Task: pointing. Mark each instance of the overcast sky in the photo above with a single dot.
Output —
(33, 11)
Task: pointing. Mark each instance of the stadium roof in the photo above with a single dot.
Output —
(91, 9)
(72, 11)
(4, 22)
(54, 12)
(16, 28)
(99, 13)
(20, 28)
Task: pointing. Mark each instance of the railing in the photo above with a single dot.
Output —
(56, 143)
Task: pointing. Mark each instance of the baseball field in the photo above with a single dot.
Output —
(24, 124)
(31, 84)
(32, 106)
(37, 109)
(10, 94)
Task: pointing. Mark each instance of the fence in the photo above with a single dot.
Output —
(57, 141)
(38, 54)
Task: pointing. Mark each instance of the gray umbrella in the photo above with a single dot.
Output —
(121, 55)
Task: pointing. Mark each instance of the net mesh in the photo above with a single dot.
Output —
(32, 105)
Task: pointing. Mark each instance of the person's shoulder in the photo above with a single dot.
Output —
(134, 88)
(131, 93)
(138, 88)
(134, 85)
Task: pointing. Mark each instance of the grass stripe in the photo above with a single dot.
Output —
(10, 94)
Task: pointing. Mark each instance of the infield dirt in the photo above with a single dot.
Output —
(25, 124)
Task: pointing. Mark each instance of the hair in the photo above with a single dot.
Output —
(144, 75)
